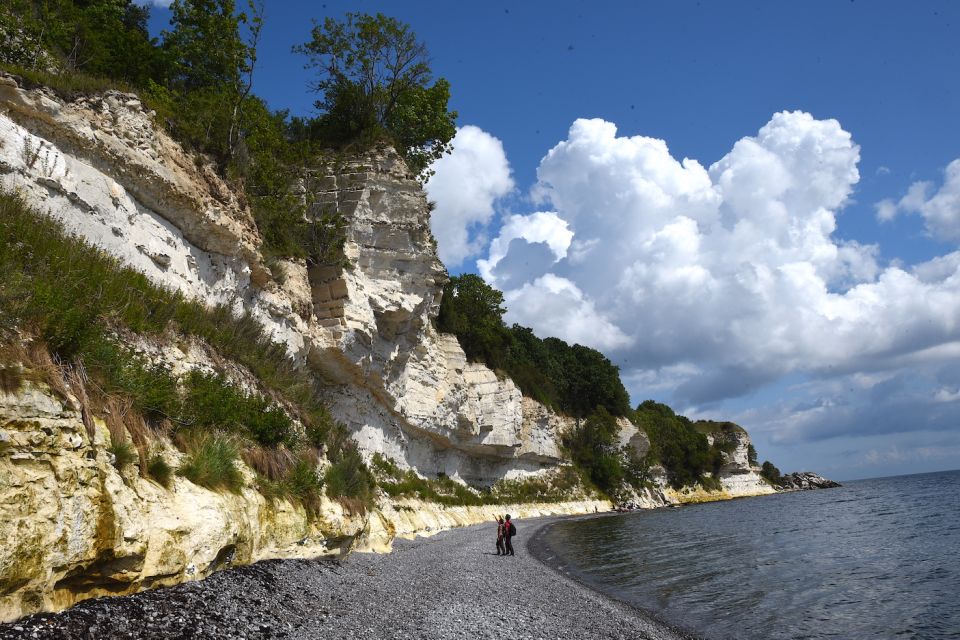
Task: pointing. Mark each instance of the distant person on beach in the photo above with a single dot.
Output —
(509, 532)
(501, 530)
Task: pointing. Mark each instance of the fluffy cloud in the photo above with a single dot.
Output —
(164, 4)
(724, 278)
(465, 187)
(556, 307)
(940, 211)
(545, 229)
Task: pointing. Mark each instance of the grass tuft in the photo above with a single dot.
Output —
(66, 85)
(11, 378)
(124, 453)
(349, 478)
(211, 461)
(160, 470)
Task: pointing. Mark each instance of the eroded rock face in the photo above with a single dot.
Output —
(404, 389)
(100, 167)
(74, 526)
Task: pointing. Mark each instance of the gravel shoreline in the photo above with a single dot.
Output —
(449, 586)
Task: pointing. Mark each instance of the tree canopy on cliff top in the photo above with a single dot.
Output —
(575, 380)
(374, 82)
(374, 78)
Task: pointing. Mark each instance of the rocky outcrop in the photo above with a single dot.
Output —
(804, 480)
(738, 476)
(74, 526)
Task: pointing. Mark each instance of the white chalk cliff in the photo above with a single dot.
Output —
(72, 526)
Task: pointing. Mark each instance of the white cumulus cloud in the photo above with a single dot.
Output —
(542, 227)
(465, 187)
(720, 278)
(940, 210)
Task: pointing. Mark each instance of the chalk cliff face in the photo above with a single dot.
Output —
(74, 526)
(100, 167)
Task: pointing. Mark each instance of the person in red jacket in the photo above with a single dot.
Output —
(509, 532)
(501, 531)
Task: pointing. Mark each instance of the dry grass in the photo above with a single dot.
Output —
(123, 420)
(36, 365)
(273, 463)
(77, 379)
(11, 378)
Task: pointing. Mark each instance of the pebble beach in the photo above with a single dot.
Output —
(449, 586)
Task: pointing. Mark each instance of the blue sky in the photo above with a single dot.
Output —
(763, 283)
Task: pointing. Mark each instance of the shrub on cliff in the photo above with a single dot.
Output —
(593, 447)
(211, 461)
(349, 478)
(374, 79)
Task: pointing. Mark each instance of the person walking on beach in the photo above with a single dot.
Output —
(501, 530)
(509, 532)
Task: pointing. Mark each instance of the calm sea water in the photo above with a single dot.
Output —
(873, 559)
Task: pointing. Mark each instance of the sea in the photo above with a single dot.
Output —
(872, 559)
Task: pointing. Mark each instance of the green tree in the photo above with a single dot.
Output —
(676, 444)
(374, 78)
(214, 52)
(473, 311)
(592, 446)
(206, 46)
(95, 37)
(770, 473)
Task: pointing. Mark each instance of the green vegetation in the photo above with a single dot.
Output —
(210, 461)
(442, 490)
(349, 477)
(771, 474)
(681, 445)
(571, 379)
(159, 470)
(106, 38)
(210, 401)
(592, 446)
(123, 452)
(562, 485)
(373, 77)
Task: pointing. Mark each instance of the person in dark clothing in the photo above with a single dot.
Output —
(508, 533)
(501, 534)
